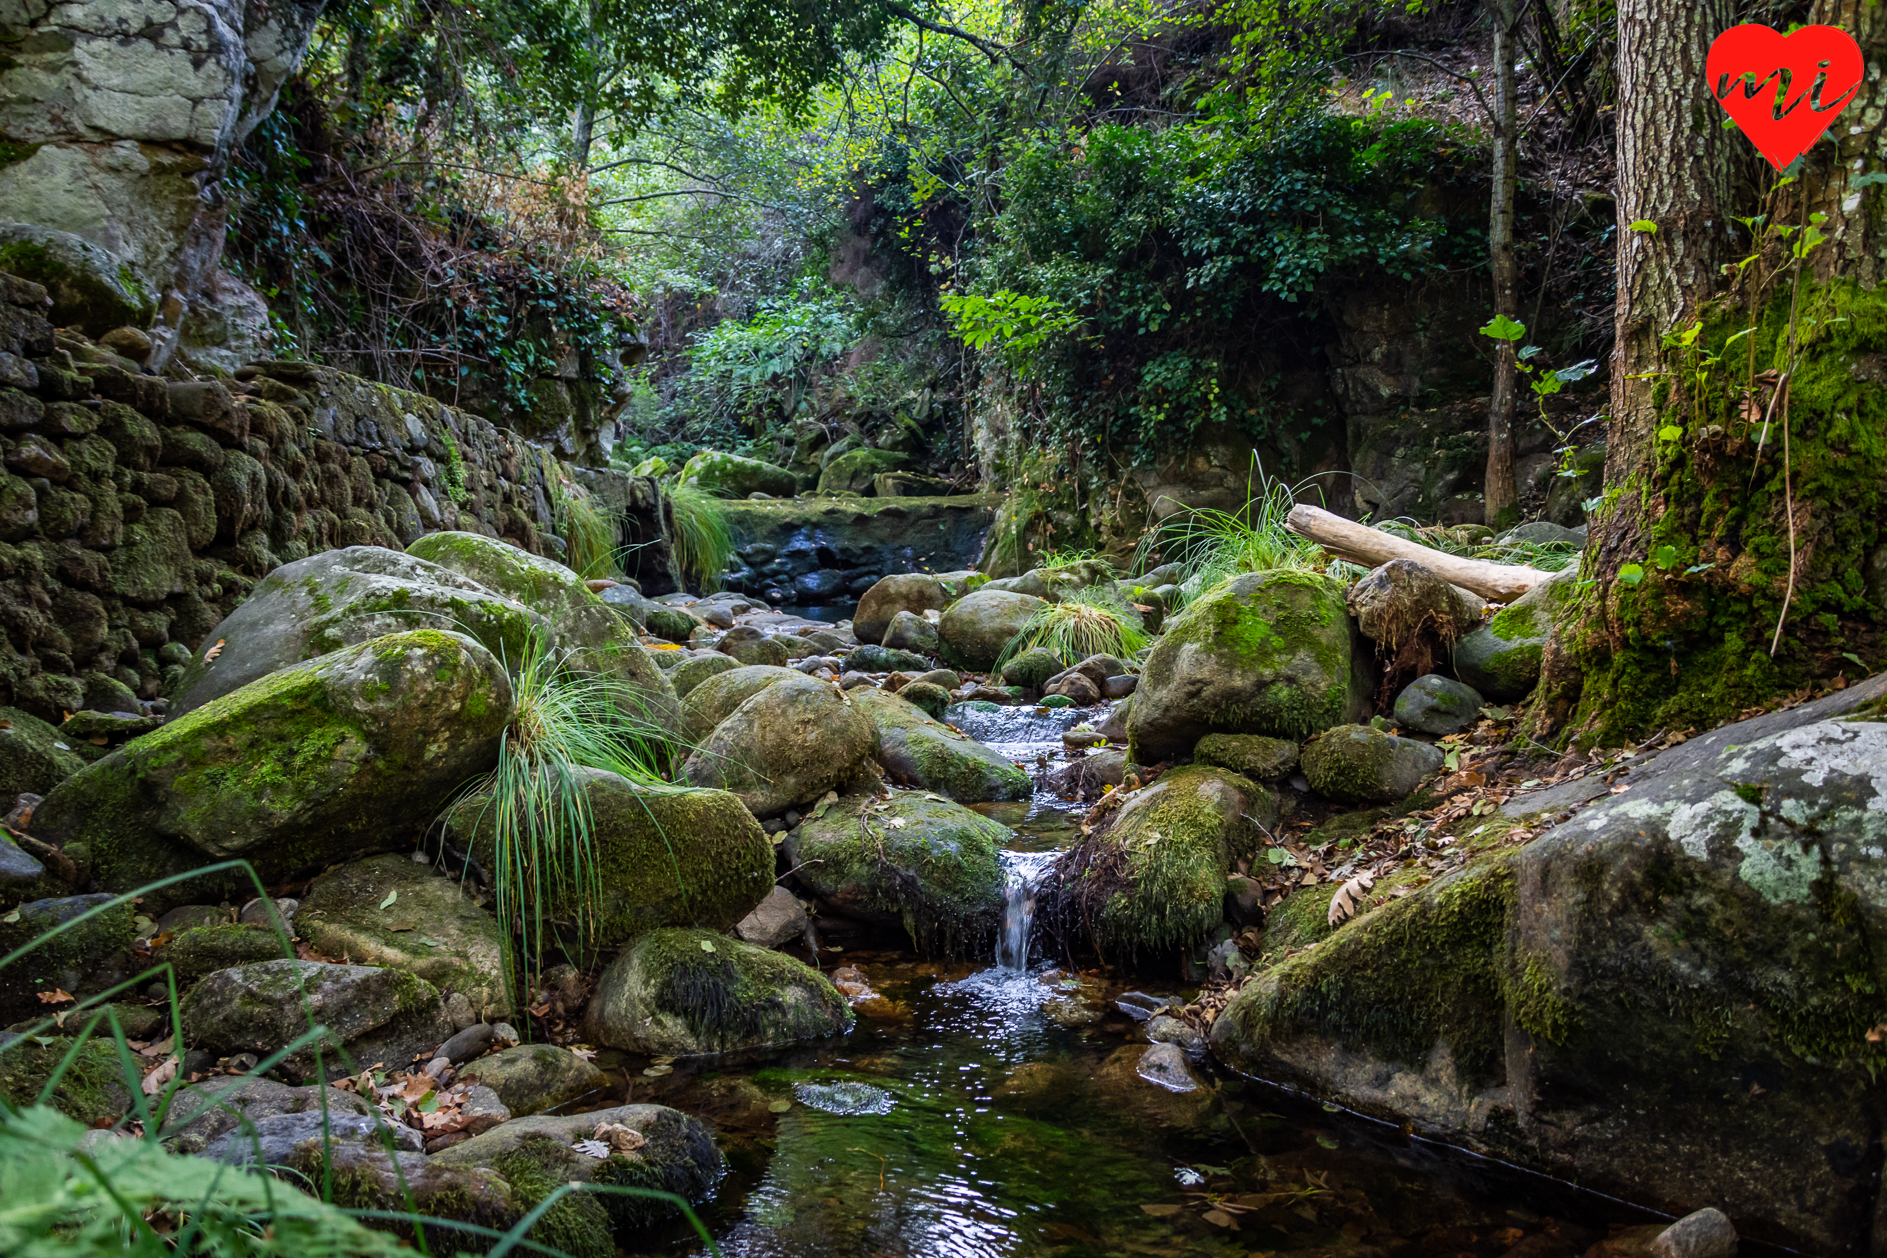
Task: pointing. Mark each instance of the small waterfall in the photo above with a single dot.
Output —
(1025, 870)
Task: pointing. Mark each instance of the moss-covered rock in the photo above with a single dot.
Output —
(197, 951)
(691, 672)
(918, 750)
(349, 753)
(853, 471)
(1437, 705)
(91, 290)
(883, 659)
(663, 856)
(763, 650)
(788, 744)
(1360, 764)
(1254, 756)
(361, 1176)
(975, 629)
(376, 1014)
(1502, 658)
(91, 1088)
(736, 476)
(1269, 653)
(530, 1078)
(1154, 880)
(1395, 602)
(1032, 668)
(914, 592)
(671, 624)
(33, 756)
(686, 992)
(913, 635)
(713, 700)
(86, 956)
(912, 860)
(431, 928)
(928, 697)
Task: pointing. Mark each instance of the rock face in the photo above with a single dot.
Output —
(914, 861)
(1505, 1007)
(1359, 764)
(352, 752)
(977, 627)
(1166, 858)
(687, 992)
(917, 750)
(914, 592)
(429, 929)
(1502, 659)
(1269, 653)
(377, 1014)
(663, 857)
(123, 115)
(788, 744)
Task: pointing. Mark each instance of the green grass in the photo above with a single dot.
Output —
(589, 534)
(1082, 624)
(703, 540)
(534, 798)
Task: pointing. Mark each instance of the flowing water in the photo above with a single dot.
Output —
(997, 1109)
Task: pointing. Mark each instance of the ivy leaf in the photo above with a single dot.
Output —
(1577, 372)
(1868, 180)
(1501, 328)
(1666, 556)
(1631, 573)
(1670, 432)
(707, 946)
(1695, 568)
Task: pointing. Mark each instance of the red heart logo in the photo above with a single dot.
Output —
(1784, 90)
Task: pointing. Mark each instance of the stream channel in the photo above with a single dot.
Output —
(995, 1108)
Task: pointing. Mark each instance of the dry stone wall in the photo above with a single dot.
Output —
(137, 511)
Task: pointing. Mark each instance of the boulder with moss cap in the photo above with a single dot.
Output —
(351, 753)
(1255, 756)
(663, 856)
(1154, 880)
(688, 992)
(33, 756)
(1360, 764)
(913, 860)
(918, 750)
(1271, 653)
(736, 476)
(1502, 658)
(712, 701)
(530, 1078)
(387, 910)
(787, 744)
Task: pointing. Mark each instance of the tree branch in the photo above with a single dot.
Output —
(994, 51)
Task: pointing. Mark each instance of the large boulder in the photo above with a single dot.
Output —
(788, 744)
(914, 592)
(348, 754)
(1154, 880)
(662, 856)
(1271, 653)
(712, 701)
(1360, 764)
(387, 910)
(1502, 658)
(736, 476)
(975, 629)
(917, 750)
(375, 1014)
(913, 860)
(686, 992)
(694, 670)
(1670, 995)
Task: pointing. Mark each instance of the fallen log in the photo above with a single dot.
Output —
(1358, 543)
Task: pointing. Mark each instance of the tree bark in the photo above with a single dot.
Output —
(1499, 490)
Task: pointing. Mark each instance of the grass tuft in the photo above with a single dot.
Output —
(589, 534)
(703, 539)
(1082, 624)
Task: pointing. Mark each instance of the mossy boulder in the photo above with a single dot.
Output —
(201, 1113)
(1154, 880)
(88, 955)
(918, 750)
(1437, 705)
(788, 744)
(664, 856)
(687, 992)
(593, 636)
(736, 476)
(347, 754)
(1360, 764)
(197, 951)
(713, 700)
(671, 624)
(763, 650)
(34, 757)
(1502, 658)
(691, 672)
(914, 592)
(854, 471)
(1254, 756)
(883, 659)
(1271, 653)
(92, 290)
(1032, 668)
(928, 697)
(975, 629)
(913, 860)
(376, 1014)
(912, 634)
(431, 928)
(91, 1087)
(530, 1078)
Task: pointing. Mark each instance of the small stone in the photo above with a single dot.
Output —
(1057, 701)
(1437, 705)
(1119, 686)
(503, 1034)
(1705, 1233)
(1168, 1030)
(779, 919)
(1077, 687)
(459, 1011)
(853, 680)
(1165, 1065)
(436, 1068)
(481, 1110)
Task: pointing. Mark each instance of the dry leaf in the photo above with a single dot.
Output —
(209, 656)
(57, 996)
(158, 1078)
(1161, 1211)
(1219, 1218)
(1349, 898)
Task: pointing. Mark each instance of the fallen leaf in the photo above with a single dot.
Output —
(158, 1078)
(57, 996)
(583, 1053)
(400, 926)
(209, 656)
(707, 945)
(1349, 898)
(1162, 1211)
(1219, 1218)
(592, 1148)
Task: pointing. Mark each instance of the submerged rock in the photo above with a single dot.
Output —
(688, 992)
(1269, 653)
(918, 750)
(1359, 764)
(788, 744)
(913, 860)
(344, 755)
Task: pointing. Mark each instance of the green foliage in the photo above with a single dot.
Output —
(1211, 545)
(703, 539)
(1015, 325)
(1083, 623)
(588, 531)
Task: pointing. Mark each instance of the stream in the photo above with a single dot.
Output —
(997, 1109)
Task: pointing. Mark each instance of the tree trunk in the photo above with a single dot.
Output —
(1500, 492)
(582, 135)
(1728, 500)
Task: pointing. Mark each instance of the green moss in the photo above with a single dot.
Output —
(577, 1224)
(12, 152)
(91, 1089)
(203, 950)
(1537, 1006)
(729, 994)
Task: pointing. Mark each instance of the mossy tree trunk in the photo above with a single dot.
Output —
(1709, 462)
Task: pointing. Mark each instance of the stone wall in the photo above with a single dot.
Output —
(826, 551)
(135, 512)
